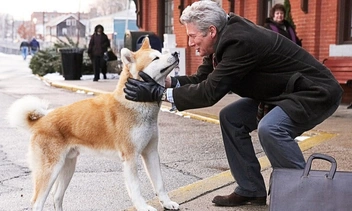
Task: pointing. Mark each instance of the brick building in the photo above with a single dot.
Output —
(324, 25)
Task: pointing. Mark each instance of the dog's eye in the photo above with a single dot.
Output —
(156, 58)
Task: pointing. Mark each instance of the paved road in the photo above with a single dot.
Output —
(190, 150)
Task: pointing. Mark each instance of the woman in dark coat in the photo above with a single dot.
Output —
(98, 45)
(277, 23)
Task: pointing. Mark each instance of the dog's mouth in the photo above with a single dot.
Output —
(174, 55)
(170, 67)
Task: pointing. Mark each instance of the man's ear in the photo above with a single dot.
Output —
(127, 56)
(213, 31)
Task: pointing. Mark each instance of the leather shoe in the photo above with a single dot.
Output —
(234, 199)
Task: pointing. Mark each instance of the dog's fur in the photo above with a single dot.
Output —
(107, 123)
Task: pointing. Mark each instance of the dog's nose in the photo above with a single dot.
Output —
(175, 54)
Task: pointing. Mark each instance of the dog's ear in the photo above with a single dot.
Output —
(127, 56)
(146, 43)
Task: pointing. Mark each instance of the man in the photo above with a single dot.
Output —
(34, 45)
(269, 72)
(24, 48)
(98, 45)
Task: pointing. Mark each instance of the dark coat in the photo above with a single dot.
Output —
(261, 64)
(98, 44)
(34, 44)
(24, 44)
(284, 29)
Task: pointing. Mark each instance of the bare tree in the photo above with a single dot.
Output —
(107, 7)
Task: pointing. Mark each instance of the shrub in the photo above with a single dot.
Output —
(49, 60)
(45, 61)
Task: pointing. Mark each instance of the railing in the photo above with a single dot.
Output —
(9, 47)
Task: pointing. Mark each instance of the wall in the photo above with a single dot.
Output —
(317, 28)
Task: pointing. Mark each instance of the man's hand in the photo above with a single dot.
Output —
(143, 91)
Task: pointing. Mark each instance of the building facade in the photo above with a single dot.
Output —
(323, 25)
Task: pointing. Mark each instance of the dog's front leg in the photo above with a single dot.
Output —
(152, 165)
(132, 184)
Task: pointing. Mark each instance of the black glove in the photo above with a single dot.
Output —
(143, 91)
(173, 82)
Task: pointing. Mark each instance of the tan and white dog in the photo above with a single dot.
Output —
(108, 123)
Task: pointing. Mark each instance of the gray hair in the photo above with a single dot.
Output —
(204, 14)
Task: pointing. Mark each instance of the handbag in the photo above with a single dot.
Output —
(110, 56)
(311, 190)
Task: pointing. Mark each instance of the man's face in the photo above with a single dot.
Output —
(204, 44)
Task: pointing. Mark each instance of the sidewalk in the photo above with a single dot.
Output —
(333, 137)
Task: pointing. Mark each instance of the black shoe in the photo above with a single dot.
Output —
(104, 76)
(234, 199)
(95, 79)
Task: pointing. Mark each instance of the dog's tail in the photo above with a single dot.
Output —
(24, 112)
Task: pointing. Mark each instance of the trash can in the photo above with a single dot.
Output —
(131, 38)
(71, 60)
(154, 42)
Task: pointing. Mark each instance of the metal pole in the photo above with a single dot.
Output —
(43, 26)
(127, 10)
(13, 28)
(79, 20)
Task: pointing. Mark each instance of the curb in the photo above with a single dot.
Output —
(197, 189)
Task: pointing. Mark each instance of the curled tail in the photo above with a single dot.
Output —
(24, 112)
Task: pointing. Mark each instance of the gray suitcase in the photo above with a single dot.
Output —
(311, 190)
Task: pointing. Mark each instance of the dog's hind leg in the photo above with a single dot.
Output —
(132, 184)
(64, 178)
(44, 172)
(151, 162)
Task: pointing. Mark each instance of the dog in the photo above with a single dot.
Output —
(108, 123)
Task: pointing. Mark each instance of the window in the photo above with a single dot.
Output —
(345, 22)
(64, 31)
(169, 17)
(264, 7)
(68, 22)
(73, 21)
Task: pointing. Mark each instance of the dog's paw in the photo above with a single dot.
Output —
(171, 205)
(147, 208)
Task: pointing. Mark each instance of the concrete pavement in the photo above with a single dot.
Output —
(332, 137)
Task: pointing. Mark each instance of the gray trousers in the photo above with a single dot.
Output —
(276, 133)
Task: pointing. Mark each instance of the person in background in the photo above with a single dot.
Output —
(98, 45)
(34, 46)
(267, 70)
(24, 48)
(277, 23)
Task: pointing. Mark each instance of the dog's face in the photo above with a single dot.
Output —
(150, 61)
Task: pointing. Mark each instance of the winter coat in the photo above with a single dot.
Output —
(34, 45)
(98, 44)
(24, 44)
(284, 29)
(260, 64)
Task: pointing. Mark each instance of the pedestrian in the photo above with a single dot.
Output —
(98, 45)
(24, 48)
(263, 68)
(277, 23)
(173, 106)
(34, 45)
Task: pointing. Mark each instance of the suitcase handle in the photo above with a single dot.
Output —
(323, 157)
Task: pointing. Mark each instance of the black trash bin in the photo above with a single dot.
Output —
(154, 42)
(72, 59)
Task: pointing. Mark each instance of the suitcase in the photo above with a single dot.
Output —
(311, 190)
